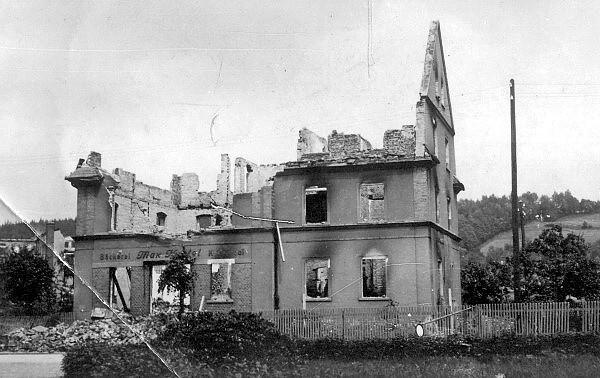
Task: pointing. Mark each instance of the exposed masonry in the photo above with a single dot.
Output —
(309, 143)
(136, 206)
(250, 177)
(398, 145)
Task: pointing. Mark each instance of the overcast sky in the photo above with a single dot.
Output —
(140, 81)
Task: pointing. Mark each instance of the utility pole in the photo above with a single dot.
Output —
(514, 195)
(522, 219)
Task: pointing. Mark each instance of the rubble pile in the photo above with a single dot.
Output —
(63, 336)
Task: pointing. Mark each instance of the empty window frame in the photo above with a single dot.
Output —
(203, 221)
(316, 273)
(316, 204)
(220, 279)
(114, 217)
(162, 300)
(372, 206)
(161, 219)
(447, 148)
(449, 210)
(374, 276)
(119, 296)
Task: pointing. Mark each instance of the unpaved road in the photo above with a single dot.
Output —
(30, 365)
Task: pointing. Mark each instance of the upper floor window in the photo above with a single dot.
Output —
(435, 142)
(161, 219)
(316, 204)
(447, 146)
(114, 218)
(203, 221)
(316, 272)
(374, 277)
(449, 210)
(372, 202)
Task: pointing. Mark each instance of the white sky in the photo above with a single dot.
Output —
(139, 81)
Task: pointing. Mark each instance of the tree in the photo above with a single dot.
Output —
(555, 268)
(485, 283)
(178, 277)
(29, 282)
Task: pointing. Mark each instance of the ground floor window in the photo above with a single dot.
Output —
(220, 279)
(163, 299)
(374, 275)
(316, 272)
(120, 288)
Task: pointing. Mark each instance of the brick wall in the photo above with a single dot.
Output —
(400, 142)
(101, 282)
(422, 196)
(250, 177)
(310, 143)
(241, 288)
(341, 145)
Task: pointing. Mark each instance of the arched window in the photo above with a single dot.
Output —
(161, 219)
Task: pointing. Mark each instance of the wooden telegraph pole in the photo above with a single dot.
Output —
(514, 195)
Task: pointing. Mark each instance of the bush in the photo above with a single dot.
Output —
(103, 360)
(30, 283)
(222, 337)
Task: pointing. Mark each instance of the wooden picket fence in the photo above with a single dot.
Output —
(485, 321)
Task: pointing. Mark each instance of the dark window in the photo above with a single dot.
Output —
(316, 272)
(374, 276)
(203, 221)
(372, 203)
(161, 219)
(316, 204)
(218, 220)
(449, 210)
(447, 145)
(114, 225)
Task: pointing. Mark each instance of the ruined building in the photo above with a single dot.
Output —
(343, 225)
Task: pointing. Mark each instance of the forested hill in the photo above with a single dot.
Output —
(21, 231)
(482, 219)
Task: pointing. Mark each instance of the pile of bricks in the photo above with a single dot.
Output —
(63, 336)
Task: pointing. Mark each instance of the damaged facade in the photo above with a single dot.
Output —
(365, 226)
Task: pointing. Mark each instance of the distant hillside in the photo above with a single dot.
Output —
(586, 225)
(481, 221)
(18, 230)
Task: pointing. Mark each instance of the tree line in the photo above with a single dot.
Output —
(12, 230)
(482, 219)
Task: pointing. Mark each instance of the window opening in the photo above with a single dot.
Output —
(163, 300)
(247, 178)
(372, 207)
(447, 146)
(374, 272)
(203, 221)
(120, 288)
(316, 273)
(435, 141)
(161, 219)
(220, 279)
(449, 209)
(218, 220)
(316, 204)
(115, 212)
